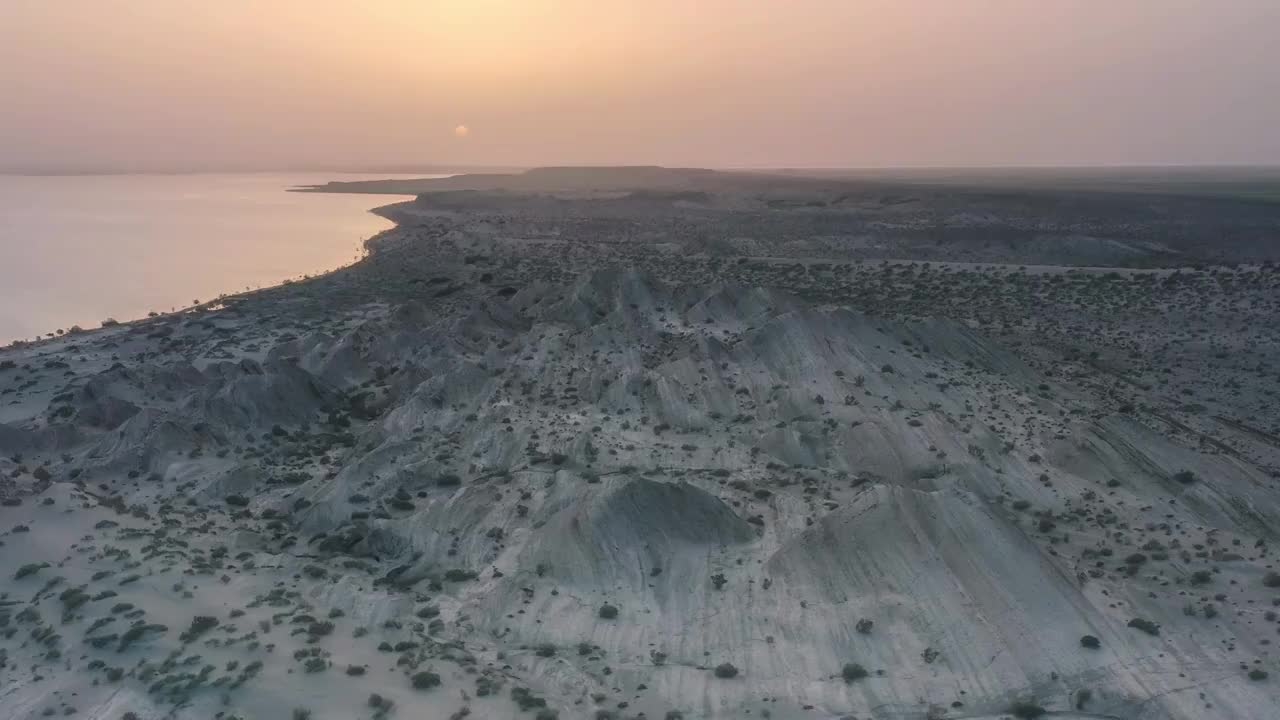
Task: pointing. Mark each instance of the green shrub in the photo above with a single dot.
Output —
(525, 698)
(1145, 626)
(425, 680)
(1083, 697)
(29, 569)
(135, 633)
(73, 598)
(1026, 710)
(200, 624)
(852, 672)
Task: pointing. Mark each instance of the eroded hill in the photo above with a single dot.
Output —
(474, 476)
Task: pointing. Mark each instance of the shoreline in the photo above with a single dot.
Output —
(268, 243)
(398, 221)
(465, 193)
(223, 300)
(218, 303)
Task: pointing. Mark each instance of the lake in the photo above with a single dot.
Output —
(75, 250)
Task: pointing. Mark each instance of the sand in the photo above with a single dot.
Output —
(524, 450)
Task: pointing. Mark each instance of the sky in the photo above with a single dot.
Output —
(293, 84)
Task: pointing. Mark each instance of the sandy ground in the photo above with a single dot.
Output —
(626, 470)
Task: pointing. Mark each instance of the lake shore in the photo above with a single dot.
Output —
(124, 246)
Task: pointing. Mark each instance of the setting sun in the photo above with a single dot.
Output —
(716, 82)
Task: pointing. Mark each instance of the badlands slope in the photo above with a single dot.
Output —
(609, 496)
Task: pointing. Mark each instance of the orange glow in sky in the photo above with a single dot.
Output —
(154, 83)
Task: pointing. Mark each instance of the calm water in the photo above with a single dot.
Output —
(76, 250)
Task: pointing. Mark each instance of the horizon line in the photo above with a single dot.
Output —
(467, 168)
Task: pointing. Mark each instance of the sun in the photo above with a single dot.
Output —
(461, 131)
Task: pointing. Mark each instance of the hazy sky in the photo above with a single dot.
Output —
(273, 83)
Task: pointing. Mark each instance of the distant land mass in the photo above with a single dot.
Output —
(1260, 182)
(1130, 217)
